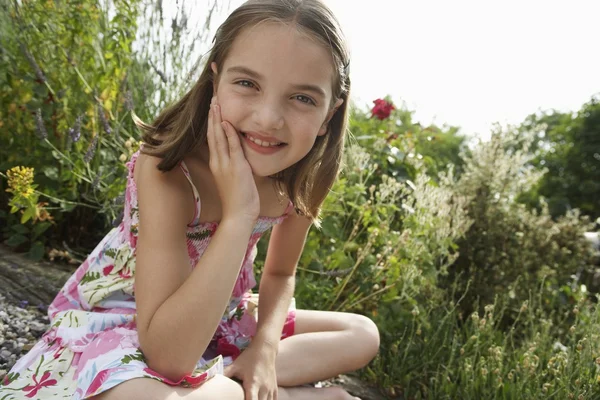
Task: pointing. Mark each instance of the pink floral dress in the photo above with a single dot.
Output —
(92, 344)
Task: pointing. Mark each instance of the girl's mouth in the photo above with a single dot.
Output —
(262, 146)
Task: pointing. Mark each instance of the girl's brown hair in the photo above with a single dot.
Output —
(182, 126)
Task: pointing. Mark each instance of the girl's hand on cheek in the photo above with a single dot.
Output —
(232, 172)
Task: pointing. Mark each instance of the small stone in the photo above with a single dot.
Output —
(37, 327)
(28, 346)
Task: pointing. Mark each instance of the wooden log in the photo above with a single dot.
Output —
(36, 282)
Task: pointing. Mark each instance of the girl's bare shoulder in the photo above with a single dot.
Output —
(158, 189)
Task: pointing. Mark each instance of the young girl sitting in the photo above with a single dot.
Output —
(162, 308)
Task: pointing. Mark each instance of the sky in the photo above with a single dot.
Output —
(472, 63)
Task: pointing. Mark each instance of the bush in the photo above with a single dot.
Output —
(70, 79)
(508, 248)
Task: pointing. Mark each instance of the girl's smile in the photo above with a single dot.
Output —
(261, 143)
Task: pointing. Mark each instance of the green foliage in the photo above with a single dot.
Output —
(63, 102)
(70, 79)
(509, 248)
(476, 357)
(568, 146)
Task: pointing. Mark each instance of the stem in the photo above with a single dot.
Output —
(356, 264)
(372, 295)
(66, 201)
(68, 159)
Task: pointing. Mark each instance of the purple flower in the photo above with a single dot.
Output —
(91, 150)
(96, 182)
(23, 303)
(39, 122)
(103, 120)
(34, 64)
(75, 131)
(128, 101)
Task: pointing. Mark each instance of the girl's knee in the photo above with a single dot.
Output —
(367, 334)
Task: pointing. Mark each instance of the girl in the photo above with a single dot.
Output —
(162, 307)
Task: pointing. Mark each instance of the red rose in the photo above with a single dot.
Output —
(382, 109)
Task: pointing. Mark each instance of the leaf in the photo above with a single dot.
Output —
(66, 207)
(27, 214)
(40, 228)
(36, 252)
(22, 229)
(51, 172)
(16, 240)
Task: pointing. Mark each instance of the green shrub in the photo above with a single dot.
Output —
(70, 77)
(508, 248)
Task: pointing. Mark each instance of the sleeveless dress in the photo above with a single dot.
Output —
(92, 344)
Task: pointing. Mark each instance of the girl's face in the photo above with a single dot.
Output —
(275, 88)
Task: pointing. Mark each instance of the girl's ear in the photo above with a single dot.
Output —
(330, 114)
(215, 70)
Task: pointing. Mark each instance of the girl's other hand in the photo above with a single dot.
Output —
(231, 170)
(255, 367)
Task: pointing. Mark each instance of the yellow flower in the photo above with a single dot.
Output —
(20, 180)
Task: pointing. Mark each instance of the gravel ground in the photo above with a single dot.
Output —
(21, 326)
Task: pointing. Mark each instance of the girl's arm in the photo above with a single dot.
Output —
(278, 279)
(178, 309)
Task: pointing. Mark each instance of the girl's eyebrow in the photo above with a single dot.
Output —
(255, 75)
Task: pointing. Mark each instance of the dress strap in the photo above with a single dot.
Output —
(186, 172)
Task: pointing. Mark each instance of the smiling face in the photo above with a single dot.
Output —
(275, 88)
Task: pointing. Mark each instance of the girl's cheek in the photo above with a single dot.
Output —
(232, 108)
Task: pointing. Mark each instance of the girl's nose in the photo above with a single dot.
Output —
(269, 114)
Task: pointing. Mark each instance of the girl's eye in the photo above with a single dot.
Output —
(305, 99)
(245, 83)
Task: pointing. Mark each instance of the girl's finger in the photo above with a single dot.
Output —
(220, 138)
(210, 137)
(235, 147)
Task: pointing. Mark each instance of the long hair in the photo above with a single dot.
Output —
(182, 126)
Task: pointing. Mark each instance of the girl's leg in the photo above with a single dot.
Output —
(325, 344)
(216, 388)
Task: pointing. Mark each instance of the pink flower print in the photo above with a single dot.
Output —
(125, 273)
(82, 342)
(227, 349)
(100, 379)
(33, 389)
(133, 240)
(104, 343)
(247, 325)
(107, 270)
(97, 382)
(192, 251)
(290, 325)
